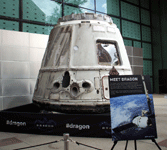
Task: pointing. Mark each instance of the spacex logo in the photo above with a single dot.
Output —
(76, 126)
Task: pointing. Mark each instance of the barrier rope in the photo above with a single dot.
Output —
(39, 145)
(78, 143)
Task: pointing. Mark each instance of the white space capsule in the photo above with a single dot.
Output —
(81, 52)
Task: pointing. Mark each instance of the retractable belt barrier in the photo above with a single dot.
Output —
(66, 140)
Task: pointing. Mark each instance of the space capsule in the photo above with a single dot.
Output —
(82, 50)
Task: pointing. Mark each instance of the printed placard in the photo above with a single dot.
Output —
(132, 109)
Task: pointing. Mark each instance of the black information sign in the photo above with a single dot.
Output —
(132, 108)
(125, 85)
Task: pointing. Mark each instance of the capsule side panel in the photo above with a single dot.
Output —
(41, 85)
(57, 51)
(83, 38)
(86, 83)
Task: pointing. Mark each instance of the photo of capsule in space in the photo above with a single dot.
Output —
(82, 50)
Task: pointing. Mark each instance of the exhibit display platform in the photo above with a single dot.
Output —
(29, 119)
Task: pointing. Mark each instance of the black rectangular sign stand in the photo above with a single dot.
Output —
(135, 143)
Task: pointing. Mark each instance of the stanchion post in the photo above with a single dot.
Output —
(135, 144)
(66, 141)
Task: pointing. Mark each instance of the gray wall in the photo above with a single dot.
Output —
(135, 56)
(20, 59)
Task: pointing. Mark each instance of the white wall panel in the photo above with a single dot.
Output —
(15, 38)
(137, 52)
(1, 103)
(38, 40)
(137, 70)
(138, 61)
(34, 69)
(32, 86)
(20, 60)
(0, 52)
(0, 70)
(15, 70)
(135, 56)
(9, 102)
(36, 54)
(129, 50)
(130, 59)
(15, 87)
(15, 53)
(0, 88)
